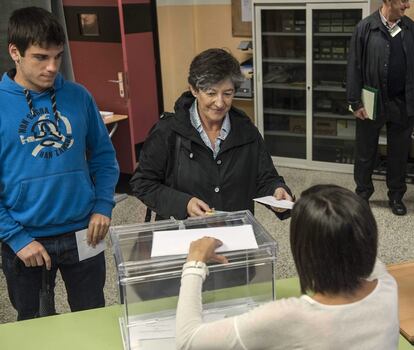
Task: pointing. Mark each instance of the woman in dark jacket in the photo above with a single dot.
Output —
(207, 154)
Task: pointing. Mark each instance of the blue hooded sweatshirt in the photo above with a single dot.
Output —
(56, 169)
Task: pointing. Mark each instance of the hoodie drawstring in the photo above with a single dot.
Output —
(52, 98)
(29, 100)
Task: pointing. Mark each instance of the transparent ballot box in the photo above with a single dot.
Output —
(149, 286)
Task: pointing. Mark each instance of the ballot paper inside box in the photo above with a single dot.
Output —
(149, 286)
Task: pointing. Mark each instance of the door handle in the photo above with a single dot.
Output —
(120, 83)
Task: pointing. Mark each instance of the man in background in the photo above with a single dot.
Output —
(58, 170)
(381, 58)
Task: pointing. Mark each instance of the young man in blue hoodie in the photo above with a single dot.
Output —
(58, 170)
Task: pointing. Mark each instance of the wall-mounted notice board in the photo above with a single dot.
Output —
(241, 17)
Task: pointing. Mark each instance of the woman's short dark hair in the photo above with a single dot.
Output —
(333, 238)
(34, 26)
(213, 66)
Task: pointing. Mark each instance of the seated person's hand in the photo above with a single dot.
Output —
(196, 207)
(281, 193)
(203, 250)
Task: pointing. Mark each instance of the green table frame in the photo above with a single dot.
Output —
(95, 329)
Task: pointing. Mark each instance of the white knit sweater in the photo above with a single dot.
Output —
(294, 323)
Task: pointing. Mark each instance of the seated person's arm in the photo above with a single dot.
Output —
(191, 332)
(256, 327)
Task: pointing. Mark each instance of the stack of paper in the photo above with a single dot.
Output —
(106, 114)
(177, 242)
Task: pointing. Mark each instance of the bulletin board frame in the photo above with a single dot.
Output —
(239, 27)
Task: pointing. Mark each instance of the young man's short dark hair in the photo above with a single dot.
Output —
(333, 237)
(34, 26)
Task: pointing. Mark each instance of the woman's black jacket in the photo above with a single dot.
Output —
(166, 179)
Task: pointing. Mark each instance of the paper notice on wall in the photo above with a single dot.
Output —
(246, 10)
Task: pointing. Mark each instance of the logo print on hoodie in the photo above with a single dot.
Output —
(50, 137)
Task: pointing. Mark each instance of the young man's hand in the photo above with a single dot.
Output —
(34, 254)
(97, 228)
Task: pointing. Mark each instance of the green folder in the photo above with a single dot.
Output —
(369, 98)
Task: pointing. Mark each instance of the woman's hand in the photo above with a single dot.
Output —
(203, 250)
(281, 193)
(196, 207)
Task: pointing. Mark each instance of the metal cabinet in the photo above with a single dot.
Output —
(300, 55)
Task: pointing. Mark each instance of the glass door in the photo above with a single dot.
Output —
(333, 125)
(283, 50)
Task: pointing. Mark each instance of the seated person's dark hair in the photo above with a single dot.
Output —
(213, 66)
(34, 26)
(333, 237)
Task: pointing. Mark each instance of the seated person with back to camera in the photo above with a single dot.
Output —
(354, 305)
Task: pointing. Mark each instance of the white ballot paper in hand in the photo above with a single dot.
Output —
(85, 250)
(177, 242)
(273, 202)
